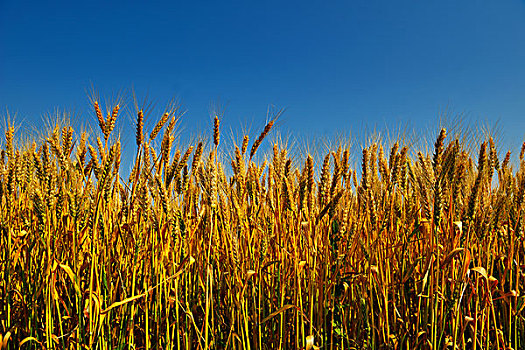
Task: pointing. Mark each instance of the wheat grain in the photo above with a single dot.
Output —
(261, 137)
(139, 133)
(159, 126)
(216, 132)
(100, 118)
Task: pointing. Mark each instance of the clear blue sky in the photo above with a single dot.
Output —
(334, 65)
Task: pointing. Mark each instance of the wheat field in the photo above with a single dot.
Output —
(195, 250)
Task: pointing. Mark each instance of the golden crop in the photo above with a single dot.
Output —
(412, 251)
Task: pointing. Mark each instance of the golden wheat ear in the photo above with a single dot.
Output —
(261, 137)
(139, 133)
(159, 126)
(100, 118)
(216, 132)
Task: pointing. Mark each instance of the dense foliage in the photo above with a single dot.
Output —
(413, 250)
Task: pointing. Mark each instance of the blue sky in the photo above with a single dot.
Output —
(335, 66)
